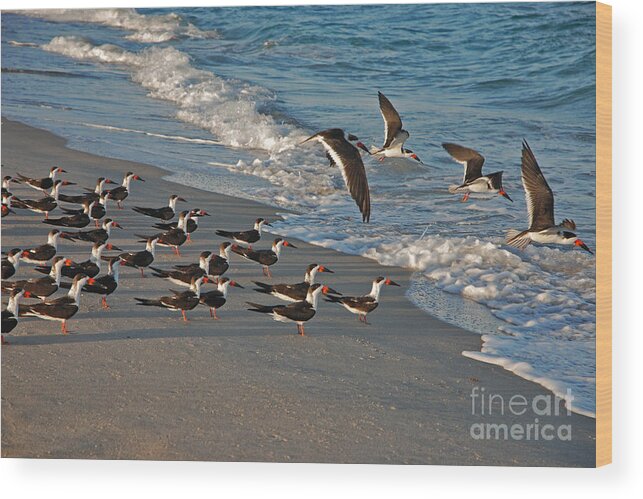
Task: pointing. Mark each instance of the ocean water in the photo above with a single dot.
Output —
(221, 98)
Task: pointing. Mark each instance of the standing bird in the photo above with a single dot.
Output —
(394, 134)
(246, 237)
(191, 226)
(473, 180)
(347, 157)
(218, 264)
(11, 263)
(42, 205)
(61, 309)
(266, 258)
(95, 235)
(90, 267)
(11, 313)
(173, 238)
(41, 184)
(217, 298)
(140, 259)
(88, 196)
(183, 301)
(363, 305)
(78, 221)
(45, 252)
(98, 210)
(183, 277)
(165, 213)
(298, 312)
(293, 292)
(121, 192)
(540, 207)
(104, 285)
(6, 183)
(43, 286)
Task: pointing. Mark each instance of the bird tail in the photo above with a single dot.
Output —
(43, 269)
(65, 285)
(518, 239)
(21, 177)
(262, 287)
(262, 309)
(139, 209)
(163, 226)
(455, 188)
(52, 222)
(70, 211)
(156, 272)
(333, 299)
(224, 233)
(148, 302)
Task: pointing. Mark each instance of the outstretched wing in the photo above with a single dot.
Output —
(540, 198)
(392, 122)
(471, 159)
(349, 160)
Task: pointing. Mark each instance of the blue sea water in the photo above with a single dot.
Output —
(221, 98)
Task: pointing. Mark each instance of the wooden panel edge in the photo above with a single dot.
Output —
(603, 234)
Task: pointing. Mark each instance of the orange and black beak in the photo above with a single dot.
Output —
(580, 243)
(416, 158)
(505, 195)
(91, 280)
(116, 224)
(136, 177)
(205, 279)
(181, 199)
(389, 282)
(111, 246)
(108, 181)
(27, 294)
(363, 147)
(286, 243)
(325, 269)
(67, 182)
(236, 284)
(68, 262)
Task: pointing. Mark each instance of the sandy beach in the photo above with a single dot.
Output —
(138, 383)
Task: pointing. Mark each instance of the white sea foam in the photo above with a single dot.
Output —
(226, 108)
(144, 28)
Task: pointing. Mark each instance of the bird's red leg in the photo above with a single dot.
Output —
(189, 238)
(46, 215)
(465, 198)
(185, 318)
(63, 328)
(214, 313)
(211, 315)
(381, 159)
(4, 342)
(96, 223)
(104, 303)
(142, 273)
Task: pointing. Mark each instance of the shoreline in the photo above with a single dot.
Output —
(405, 358)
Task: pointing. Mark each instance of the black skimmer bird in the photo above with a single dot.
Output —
(140, 259)
(183, 276)
(78, 221)
(42, 205)
(266, 258)
(183, 301)
(540, 208)
(11, 313)
(41, 184)
(90, 267)
(246, 237)
(45, 252)
(349, 160)
(173, 238)
(218, 264)
(121, 192)
(394, 134)
(6, 209)
(11, 263)
(293, 292)
(95, 235)
(217, 298)
(474, 180)
(61, 309)
(363, 305)
(88, 196)
(298, 312)
(192, 223)
(97, 211)
(165, 213)
(6, 183)
(43, 286)
(104, 285)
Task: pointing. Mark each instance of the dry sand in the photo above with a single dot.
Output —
(138, 383)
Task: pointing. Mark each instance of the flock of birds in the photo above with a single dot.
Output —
(342, 150)
(85, 275)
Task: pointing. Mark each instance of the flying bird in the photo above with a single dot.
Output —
(474, 180)
(540, 208)
(345, 155)
(394, 135)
